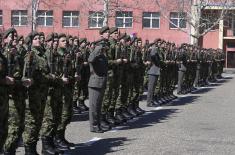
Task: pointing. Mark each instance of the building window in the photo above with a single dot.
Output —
(44, 18)
(19, 18)
(124, 19)
(96, 19)
(0, 17)
(151, 20)
(70, 19)
(178, 20)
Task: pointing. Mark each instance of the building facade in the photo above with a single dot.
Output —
(83, 18)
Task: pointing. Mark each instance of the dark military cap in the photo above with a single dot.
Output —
(157, 40)
(127, 38)
(55, 35)
(122, 36)
(33, 34)
(41, 34)
(104, 29)
(30, 37)
(75, 37)
(61, 35)
(20, 38)
(138, 39)
(82, 40)
(50, 37)
(9, 31)
(113, 29)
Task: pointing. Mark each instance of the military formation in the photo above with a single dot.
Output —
(44, 80)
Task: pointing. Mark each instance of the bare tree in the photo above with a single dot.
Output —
(33, 6)
(201, 15)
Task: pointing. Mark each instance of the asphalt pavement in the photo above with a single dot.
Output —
(199, 123)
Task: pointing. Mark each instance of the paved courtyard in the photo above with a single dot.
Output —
(200, 123)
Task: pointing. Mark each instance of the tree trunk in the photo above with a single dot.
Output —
(106, 12)
(195, 20)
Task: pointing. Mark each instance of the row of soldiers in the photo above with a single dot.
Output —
(43, 80)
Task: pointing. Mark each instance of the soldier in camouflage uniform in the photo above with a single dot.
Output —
(136, 78)
(16, 92)
(122, 100)
(36, 75)
(66, 68)
(85, 74)
(182, 59)
(5, 82)
(113, 83)
(53, 103)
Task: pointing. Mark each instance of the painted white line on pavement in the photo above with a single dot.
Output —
(147, 113)
(158, 108)
(92, 141)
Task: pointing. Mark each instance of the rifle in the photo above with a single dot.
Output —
(10, 59)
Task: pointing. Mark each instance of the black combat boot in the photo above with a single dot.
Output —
(131, 110)
(119, 117)
(126, 114)
(10, 152)
(111, 119)
(104, 125)
(60, 144)
(76, 108)
(31, 149)
(83, 106)
(47, 147)
(138, 109)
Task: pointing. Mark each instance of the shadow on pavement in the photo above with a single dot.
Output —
(100, 147)
(183, 101)
(201, 91)
(154, 117)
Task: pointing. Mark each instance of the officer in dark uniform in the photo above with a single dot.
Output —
(97, 82)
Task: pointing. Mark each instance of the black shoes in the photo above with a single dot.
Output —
(96, 129)
(31, 149)
(119, 117)
(132, 110)
(48, 147)
(76, 109)
(82, 106)
(126, 114)
(104, 124)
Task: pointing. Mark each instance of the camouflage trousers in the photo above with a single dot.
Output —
(15, 120)
(123, 89)
(135, 81)
(66, 111)
(3, 115)
(52, 112)
(33, 115)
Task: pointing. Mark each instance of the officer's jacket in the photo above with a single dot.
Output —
(155, 62)
(98, 67)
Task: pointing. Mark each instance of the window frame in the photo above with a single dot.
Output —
(95, 15)
(71, 17)
(19, 16)
(124, 19)
(178, 18)
(45, 16)
(151, 18)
